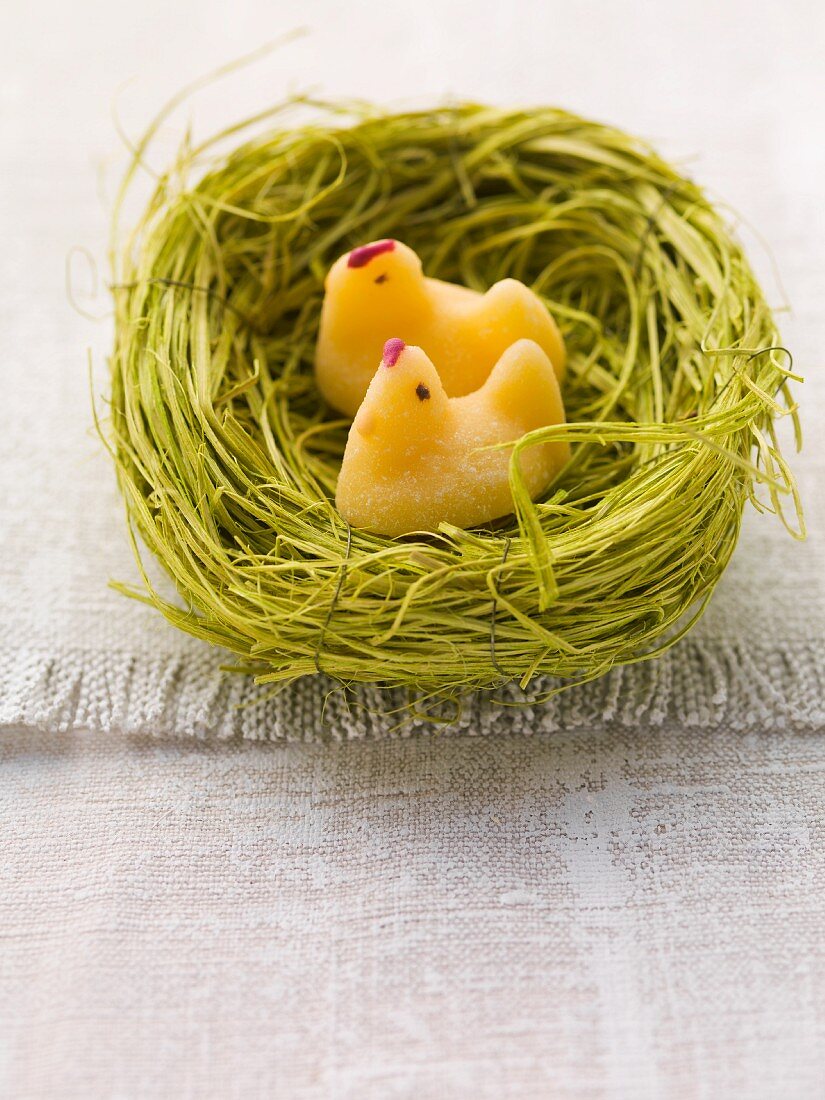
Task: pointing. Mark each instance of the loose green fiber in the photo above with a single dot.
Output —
(228, 460)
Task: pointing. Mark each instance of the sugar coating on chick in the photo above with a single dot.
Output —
(413, 457)
(380, 291)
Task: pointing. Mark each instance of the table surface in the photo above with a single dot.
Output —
(621, 910)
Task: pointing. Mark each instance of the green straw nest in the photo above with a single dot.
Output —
(228, 459)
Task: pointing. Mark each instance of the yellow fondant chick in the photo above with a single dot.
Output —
(380, 290)
(412, 458)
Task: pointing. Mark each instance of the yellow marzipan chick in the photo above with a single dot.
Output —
(412, 458)
(379, 291)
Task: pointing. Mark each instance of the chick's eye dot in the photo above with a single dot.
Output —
(422, 392)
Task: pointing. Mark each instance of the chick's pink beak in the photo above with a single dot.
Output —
(392, 349)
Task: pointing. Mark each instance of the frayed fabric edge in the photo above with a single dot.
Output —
(697, 684)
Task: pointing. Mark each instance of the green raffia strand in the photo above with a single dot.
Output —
(228, 461)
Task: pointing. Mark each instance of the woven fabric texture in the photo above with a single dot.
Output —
(583, 916)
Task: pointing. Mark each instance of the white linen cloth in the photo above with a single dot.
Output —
(632, 915)
(631, 905)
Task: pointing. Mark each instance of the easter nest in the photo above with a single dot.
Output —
(228, 458)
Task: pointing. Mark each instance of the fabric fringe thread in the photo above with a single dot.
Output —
(696, 685)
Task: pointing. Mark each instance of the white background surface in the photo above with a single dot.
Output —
(602, 914)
